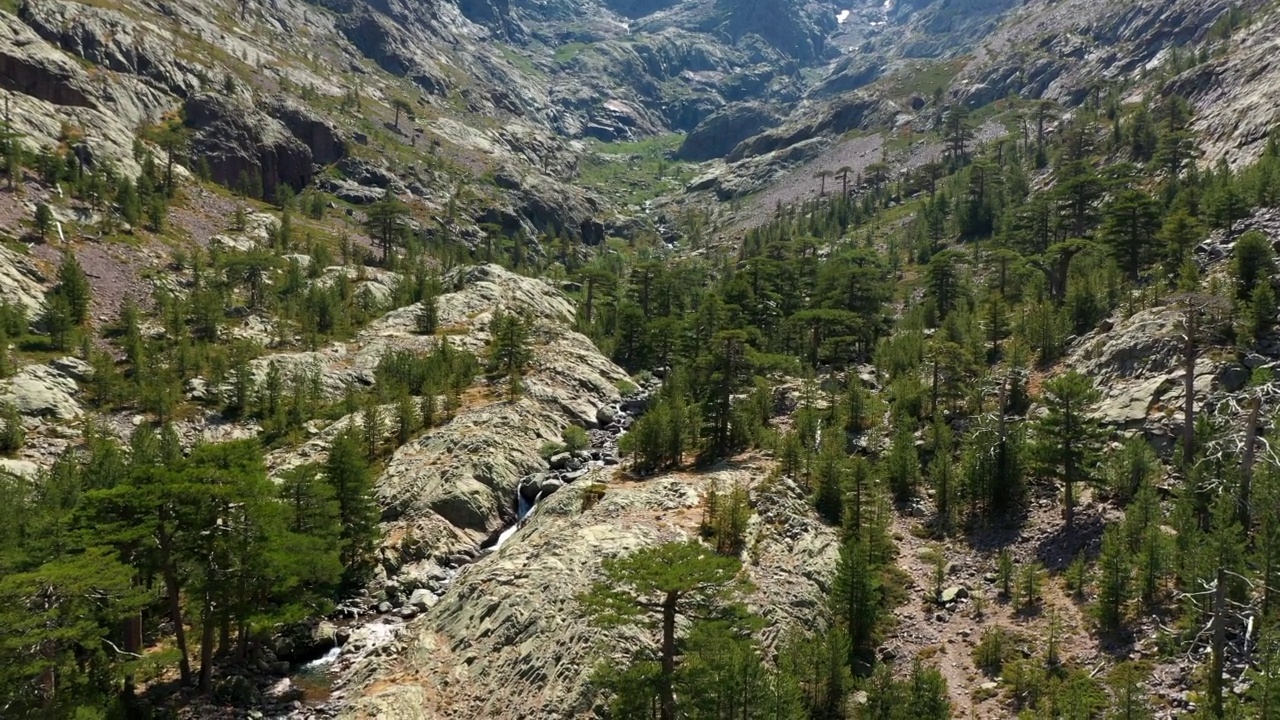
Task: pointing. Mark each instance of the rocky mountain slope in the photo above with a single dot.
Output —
(593, 136)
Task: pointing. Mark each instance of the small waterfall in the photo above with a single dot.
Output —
(524, 509)
(323, 660)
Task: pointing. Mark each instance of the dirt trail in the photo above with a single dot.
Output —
(944, 637)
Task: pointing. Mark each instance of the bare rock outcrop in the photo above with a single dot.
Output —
(21, 282)
(718, 134)
(508, 639)
(242, 143)
(32, 67)
(456, 485)
(111, 39)
(1137, 363)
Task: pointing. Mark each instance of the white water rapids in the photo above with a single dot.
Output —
(323, 660)
(524, 509)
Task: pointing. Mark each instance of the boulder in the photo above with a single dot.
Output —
(24, 469)
(367, 173)
(715, 136)
(423, 599)
(240, 143)
(72, 367)
(953, 593)
(41, 391)
(1233, 378)
(606, 414)
(354, 193)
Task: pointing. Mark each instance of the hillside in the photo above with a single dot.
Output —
(656, 359)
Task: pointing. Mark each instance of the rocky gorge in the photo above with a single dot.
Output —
(267, 200)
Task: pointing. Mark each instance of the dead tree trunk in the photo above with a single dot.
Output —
(1246, 463)
(1219, 643)
(1189, 386)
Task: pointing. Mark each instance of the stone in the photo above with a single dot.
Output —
(1233, 378)
(197, 389)
(384, 607)
(605, 415)
(954, 593)
(560, 461)
(348, 191)
(41, 391)
(550, 486)
(21, 468)
(423, 599)
(72, 367)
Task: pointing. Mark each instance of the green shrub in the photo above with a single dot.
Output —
(592, 494)
(993, 650)
(12, 433)
(575, 439)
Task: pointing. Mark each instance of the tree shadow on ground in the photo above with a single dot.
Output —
(1058, 549)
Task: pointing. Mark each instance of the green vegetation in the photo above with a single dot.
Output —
(568, 51)
(510, 350)
(111, 545)
(521, 62)
(922, 78)
(635, 172)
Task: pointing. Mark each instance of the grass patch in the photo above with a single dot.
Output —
(520, 62)
(635, 172)
(569, 51)
(922, 78)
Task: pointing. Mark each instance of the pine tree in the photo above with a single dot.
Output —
(43, 220)
(1114, 569)
(1067, 438)
(654, 587)
(1253, 263)
(74, 286)
(856, 598)
(1131, 220)
(347, 472)
(902, 465)
(943, 476)
(387, 222)
(510, 351)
